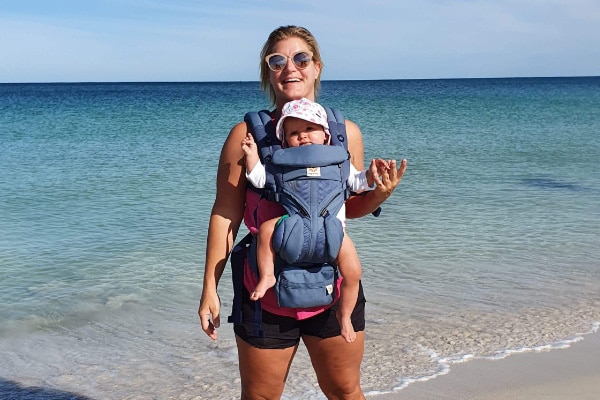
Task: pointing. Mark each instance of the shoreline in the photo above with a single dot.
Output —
(572, 373)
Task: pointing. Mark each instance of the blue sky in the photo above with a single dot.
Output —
(177, 40)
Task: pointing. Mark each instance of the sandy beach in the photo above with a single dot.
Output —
(562, 374)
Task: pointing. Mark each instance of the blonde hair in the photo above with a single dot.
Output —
(279, 34)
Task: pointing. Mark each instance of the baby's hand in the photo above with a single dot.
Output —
(249, 145)
(250, 150)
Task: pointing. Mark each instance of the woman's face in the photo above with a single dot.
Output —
(292, 83)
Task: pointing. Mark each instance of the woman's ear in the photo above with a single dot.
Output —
(318, 68)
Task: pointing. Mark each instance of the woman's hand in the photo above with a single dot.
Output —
(210, 312)
(387, 178)
(371, 172)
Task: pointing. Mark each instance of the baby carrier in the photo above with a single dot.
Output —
(310, 182)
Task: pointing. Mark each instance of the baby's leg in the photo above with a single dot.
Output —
(265, 258)
(350, 269)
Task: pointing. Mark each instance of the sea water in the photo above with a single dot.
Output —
(489, 246)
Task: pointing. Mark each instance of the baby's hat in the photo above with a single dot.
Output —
(303, 109)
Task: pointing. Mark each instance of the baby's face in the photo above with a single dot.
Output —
(299, 132)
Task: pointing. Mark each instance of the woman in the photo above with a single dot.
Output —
(290, 69)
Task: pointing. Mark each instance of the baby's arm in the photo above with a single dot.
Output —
(255, 170)
(250, 152)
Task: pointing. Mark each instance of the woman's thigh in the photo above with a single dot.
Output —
(337, 365)
(263, 371)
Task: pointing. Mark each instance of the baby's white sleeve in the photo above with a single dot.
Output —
(258, 176)
(357, 180)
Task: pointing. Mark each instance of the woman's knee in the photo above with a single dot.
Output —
(337, 365)
(345, 390)
(263, 372)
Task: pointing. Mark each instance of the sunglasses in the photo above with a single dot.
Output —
(277, 61)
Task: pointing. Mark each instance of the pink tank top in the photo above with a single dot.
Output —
(267, 210)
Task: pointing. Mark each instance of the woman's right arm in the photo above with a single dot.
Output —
(225, 219)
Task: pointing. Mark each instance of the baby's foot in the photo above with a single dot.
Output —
(262, 286)
(348, 332)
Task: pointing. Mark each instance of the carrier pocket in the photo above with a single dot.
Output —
(306, 286)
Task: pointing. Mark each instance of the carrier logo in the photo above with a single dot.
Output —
(313, 171)
(329, 289)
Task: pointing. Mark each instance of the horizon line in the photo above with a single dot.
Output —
(325, 80)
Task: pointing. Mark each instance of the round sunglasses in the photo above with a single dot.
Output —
(278, 61)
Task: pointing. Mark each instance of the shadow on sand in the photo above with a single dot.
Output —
(10, 390)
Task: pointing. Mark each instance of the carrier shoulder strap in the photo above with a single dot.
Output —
(339, 137)
(337, 127)
(262, 127)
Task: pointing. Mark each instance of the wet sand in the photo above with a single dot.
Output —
(566, 374)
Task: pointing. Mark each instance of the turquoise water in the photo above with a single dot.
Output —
(489, 246)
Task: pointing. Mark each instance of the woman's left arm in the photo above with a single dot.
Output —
(358, 206)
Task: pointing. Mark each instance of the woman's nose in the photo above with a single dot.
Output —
(289, 65)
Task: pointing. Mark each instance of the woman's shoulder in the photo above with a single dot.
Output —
(240, 126)
(232, 149)
(355, 144)
(244, 127)
(238, 131)
(353, 132)
(351, 127)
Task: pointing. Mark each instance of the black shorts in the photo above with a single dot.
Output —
(282, 332)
